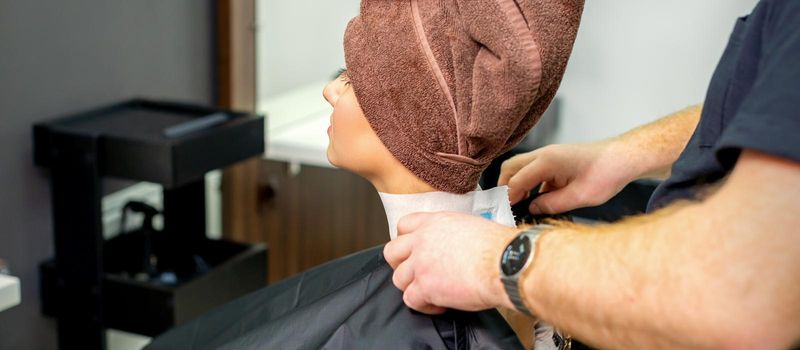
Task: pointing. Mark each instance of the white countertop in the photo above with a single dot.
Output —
(9, 291)
(297, 123)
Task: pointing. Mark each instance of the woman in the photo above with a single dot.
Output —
(435, 90)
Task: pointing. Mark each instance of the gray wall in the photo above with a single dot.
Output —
(59, 57)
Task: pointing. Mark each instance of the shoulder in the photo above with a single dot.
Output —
(778, 4)
(780, 15)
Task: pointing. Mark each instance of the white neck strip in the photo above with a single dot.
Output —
(491, 204)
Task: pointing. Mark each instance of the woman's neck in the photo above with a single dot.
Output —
(397, 179)
(402, 187)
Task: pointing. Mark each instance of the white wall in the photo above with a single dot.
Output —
(635, 61)
(300, 41)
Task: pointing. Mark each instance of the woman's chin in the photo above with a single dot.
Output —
(331, 157)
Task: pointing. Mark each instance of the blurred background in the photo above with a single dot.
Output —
(633, 62)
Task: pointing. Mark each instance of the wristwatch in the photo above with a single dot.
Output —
(515, 260)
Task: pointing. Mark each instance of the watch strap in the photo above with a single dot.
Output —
(512, 290)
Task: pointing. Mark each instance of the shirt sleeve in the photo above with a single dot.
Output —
(769, 117)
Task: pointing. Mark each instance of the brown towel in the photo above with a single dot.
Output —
(448, 85)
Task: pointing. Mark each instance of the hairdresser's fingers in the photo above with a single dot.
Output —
(556, 202)
(398, 250)
(411, 222)
(516, 194)
(527, 179)
(546, 187)
(511, 166)
(403, 275)
(414, 299)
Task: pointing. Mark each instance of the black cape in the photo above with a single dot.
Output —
(349, 303)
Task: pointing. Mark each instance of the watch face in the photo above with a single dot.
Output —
(515, 255)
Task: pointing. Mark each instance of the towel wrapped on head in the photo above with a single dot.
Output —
(449, 85)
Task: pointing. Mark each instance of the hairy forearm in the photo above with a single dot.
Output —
(650, 150)
(721, 273)
(611, 286)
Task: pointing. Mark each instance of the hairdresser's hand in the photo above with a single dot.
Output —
(574, 176)
(449, 260)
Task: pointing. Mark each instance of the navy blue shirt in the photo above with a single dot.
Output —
(753, 102)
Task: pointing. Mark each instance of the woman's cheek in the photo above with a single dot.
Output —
(340, 143)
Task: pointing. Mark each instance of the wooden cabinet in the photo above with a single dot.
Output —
(306, 217)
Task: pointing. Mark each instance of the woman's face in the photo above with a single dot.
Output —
(353, 145)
